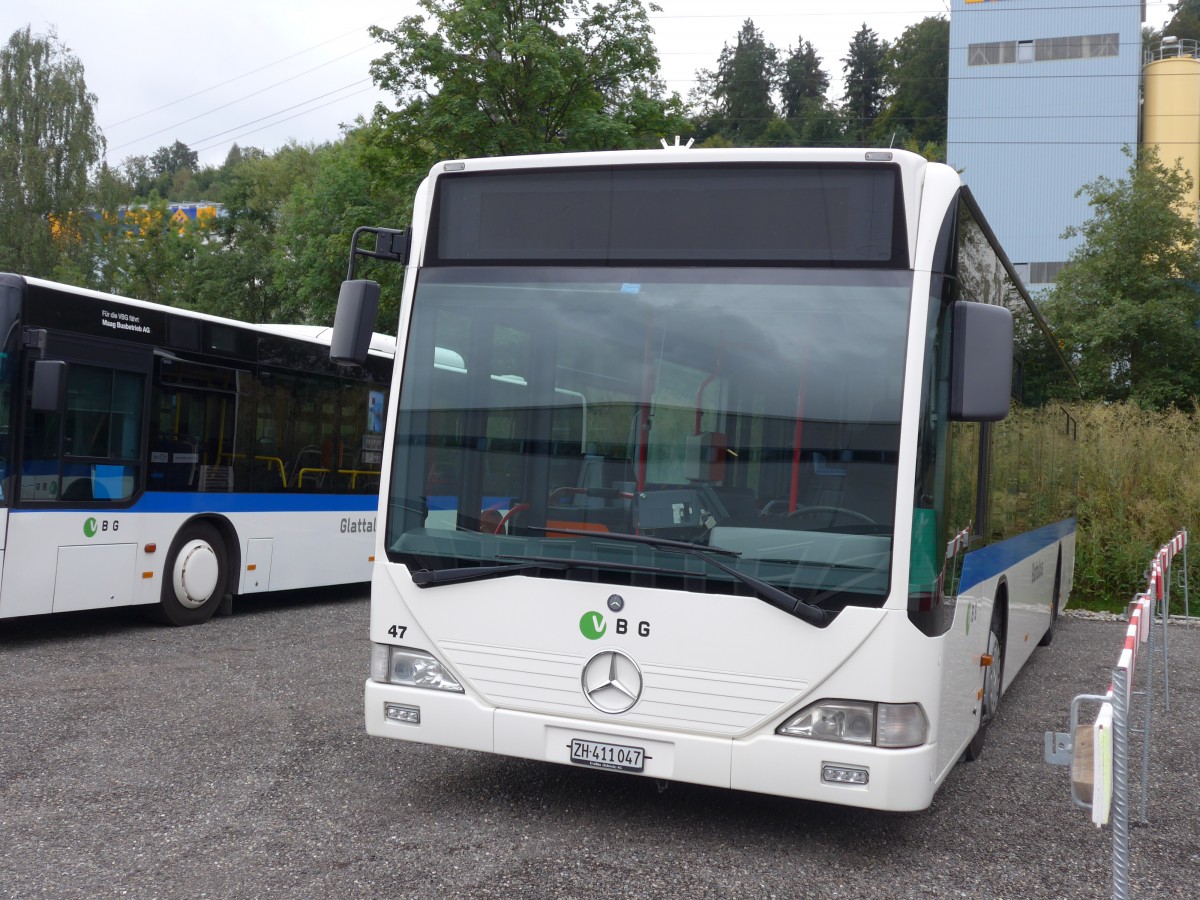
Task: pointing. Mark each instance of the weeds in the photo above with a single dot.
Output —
(1139, 483)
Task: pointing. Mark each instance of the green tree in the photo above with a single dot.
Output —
(805, 83)
(1185, 21)
(495, 77)
(144, 253)
(805, 103)
(1128, 302)
(916, 78)
(49, 141)
(234, 273)
(136, 170)
(167, 162)
(357, 181)
(741, 86)
(864, 66)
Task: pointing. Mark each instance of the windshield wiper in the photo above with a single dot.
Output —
(765, 591)
(665, 543)
(433, 577)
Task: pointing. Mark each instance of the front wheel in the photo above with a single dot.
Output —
(195, 578)
(993, 682)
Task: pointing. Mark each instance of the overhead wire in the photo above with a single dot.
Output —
(228, 81)
(240, 99)
(221, 134)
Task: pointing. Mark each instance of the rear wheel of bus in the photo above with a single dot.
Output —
(196, 576)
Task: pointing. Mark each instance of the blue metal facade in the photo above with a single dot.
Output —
(1043, 97)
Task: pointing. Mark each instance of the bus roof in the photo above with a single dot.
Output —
(318, 334)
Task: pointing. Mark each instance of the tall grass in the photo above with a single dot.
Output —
(1139, 483)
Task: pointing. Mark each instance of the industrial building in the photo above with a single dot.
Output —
(1044, 95)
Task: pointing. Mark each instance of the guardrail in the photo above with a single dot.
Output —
(1099, 753)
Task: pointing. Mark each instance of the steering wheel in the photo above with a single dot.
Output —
(833, 512)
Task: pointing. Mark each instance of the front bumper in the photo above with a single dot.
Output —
(899, 780)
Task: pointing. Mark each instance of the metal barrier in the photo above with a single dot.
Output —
(1099, 753)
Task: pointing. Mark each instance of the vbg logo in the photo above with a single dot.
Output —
(593, 626)
(93, 526)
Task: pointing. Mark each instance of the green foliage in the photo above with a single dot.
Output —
(805, 107)
(49, 141)
(486, 78)
(741, 87)
(1139, 483)
(864, 66)
(169, 161)
(1127, 304)
(234, 273)
(356, 182)
(804, 81)
(916, 78)
(143, 254)
(1185, 23)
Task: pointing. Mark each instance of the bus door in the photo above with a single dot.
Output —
(193, 427)
(80, 464)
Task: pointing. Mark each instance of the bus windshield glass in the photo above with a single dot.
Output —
(751, 411)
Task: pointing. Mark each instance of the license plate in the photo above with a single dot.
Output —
(607, 756)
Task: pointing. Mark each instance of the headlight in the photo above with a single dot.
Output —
(414, 668)
(855, 722)
(834, 720)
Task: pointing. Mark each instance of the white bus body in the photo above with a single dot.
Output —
(764, 342)
(185, 459)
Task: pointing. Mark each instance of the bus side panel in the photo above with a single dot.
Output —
(305, 549)
(51, 555)
(1025, 565)
(94, 576)
(57, 561)
(963, 647)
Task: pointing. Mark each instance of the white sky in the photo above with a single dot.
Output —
(263, 72)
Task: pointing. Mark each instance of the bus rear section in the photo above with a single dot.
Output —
(693, 502)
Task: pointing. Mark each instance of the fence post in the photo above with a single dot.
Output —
(1120, 794)
(1147, 608)
(1187, 613)
(1157, 579)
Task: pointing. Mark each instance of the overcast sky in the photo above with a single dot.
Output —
(263, 72)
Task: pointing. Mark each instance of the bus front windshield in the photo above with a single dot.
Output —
(753, 413)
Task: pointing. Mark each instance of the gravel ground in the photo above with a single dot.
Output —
(229, 760)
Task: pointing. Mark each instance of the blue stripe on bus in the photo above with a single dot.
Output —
(167, 502)
(988, 562)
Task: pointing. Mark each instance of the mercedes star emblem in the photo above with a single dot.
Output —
(612, 682)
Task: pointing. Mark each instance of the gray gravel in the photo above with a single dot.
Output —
(229, 760)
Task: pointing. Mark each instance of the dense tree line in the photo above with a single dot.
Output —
(480, 78)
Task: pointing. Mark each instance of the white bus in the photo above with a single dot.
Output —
(734, 482)
(154, 456)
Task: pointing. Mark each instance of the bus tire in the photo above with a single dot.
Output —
(196, 576)
(1054, 598)
(993, 683)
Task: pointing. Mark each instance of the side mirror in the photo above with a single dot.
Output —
(982, 362)
(354, 322)
(49, 391)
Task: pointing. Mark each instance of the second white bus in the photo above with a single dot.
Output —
(158, 457)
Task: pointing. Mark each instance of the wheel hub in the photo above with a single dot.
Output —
(196, 573)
